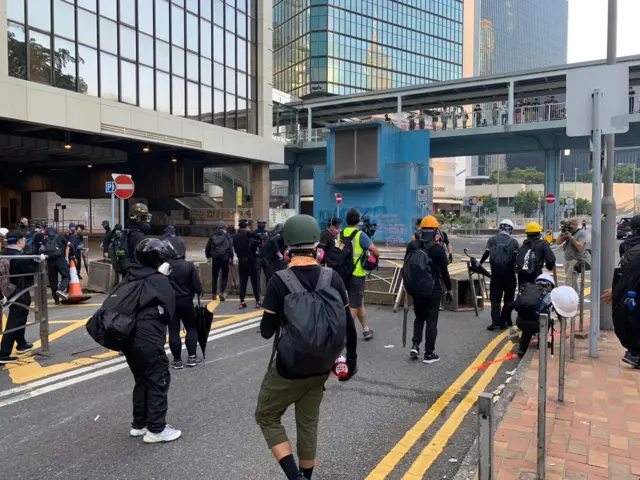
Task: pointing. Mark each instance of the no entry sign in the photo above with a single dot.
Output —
(338, 199)
(124, 186)
(550, 198)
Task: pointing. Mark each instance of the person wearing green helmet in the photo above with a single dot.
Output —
(305, 351)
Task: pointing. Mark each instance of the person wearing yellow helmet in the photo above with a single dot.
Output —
(534, 254)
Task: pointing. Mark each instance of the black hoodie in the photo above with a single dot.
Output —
(629, 243)
(156, 305)
(184, 279)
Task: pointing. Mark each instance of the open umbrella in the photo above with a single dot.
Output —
(203, 325)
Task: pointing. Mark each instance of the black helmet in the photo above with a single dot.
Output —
(140, 212)
(151, 252)
(262, 223)
(177, 249)
(635, 223)
(221, 225)
(301, 231)
(335, 221)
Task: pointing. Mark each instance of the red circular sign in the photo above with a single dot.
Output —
(550, 198)
(124, 187)
(338, 199)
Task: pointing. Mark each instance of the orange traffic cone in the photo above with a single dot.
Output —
(75, 291)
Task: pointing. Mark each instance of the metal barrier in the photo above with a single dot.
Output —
(485, 437)
(542, 395)
(39, 305)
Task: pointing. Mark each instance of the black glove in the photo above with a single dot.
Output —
(450, 258)
(448, 296)
(352, 363)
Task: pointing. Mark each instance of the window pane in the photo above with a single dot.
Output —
(241, 5)
(231, 111)
(205, 38)
(218, 45)
(205, 9)
(192, 66)
(163, 95)
(65, 66)
(242, 25)
(15, 10)
(108, 9)
(17, 51)
(253, 118)
(218, 107)
(230, 19)
(192, 5)
(40, 14)
(108, 77)
(88, 4)
(242, 114)
(145, 16)
(242, 85)
(40, 57)
(178, 2)
(129, 82)
(128, 12)
(205, 104)
(87, 30)
(242, 55)
(230, 85)
(128, 42)
(218, 12)
(218, 76)
(230, 50)
(145, 48)
(205, 71)
(192, 32)
(162, 55)
(162, 19)
(88, 64)
(193, 99)
(64, 20)
(146, 87)
(177, 26)
(177, 61)
(177, 90)
(108, 36)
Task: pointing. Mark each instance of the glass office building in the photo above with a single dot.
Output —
(325, 47)
(190, 58)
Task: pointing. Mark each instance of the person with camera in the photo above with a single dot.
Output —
(573, 240)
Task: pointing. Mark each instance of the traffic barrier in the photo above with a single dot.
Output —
(542, 396)
(75, 290)
(102, 277)
(464, 296)
(485, 436)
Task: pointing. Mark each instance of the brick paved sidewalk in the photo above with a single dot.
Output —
(594, 435)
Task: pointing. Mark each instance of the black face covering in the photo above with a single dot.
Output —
(145, 227)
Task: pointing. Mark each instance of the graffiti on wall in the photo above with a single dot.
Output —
(390, 226)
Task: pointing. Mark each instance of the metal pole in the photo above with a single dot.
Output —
(542, 396)
(608, 201)
(309, 124)
(511, 103)
(581, 324)
(562, 359)
(485, 436)
(572, 338)
(43, 308)
(113, 210)
(635, 210)
(122, 213)
(575, 193)
(498, 200)
(596, 230)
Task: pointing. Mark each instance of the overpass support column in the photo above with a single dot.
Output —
(399, 107)
(551, 185)
(309, 124)
(261, 188)
(294, 188)
(510, 103)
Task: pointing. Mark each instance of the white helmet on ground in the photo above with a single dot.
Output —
(565, 301)
(507, 225)
(3, 232)
(546, 278)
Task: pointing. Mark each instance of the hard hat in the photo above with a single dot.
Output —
(533, 227)
(301, 231)
(429, 222)
(565, 301)
(545, 277)
(3, 232)
(508, 223)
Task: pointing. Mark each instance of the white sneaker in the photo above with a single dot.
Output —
(169, 434)
(138, 432)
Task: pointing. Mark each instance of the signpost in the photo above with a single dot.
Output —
(123, 188)
(550, 198)
(236, 218)
(110, 188)
(338, 203)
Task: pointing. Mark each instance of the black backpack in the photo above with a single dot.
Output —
(340, 256)
(51, 248)
(529, 298)
(500, 254)
(315, 332)
(417, 272)
(626, 277)
(220, 246)
(526, 261)
(119, 251)
(114, 322)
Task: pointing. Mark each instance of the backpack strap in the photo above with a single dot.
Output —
(324, 280)
(291, 281)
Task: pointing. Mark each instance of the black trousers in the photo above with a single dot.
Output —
(427, 311)
(186, 313)
(501, 288)
(17, 318)
(150, 367)
(220, 266)
(248, 269)
(528, 329)
(54, 268)
(264, 266)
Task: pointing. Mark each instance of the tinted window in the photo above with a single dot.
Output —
(230, 79)
(192, 5)
(146, 87)
(87, 28)
(162, 19)
(230, 108)
(64, 19)
(230, 50)
(88, 4)
(218, 76)
(145, 16)
(242, 55)
(128, 12)
(205, 71)
(88, 65)
(193, 100)
(15, 10)
(192, 32)
(108, 8)
(145, 49)
(65, 68)
(127, 42)
(17, 51)
(218, 12)
(108, 76)
(163, 92)
(177, 61)
(40, 14)
(192, 66)
(242, 85)
(129, 82)
(230, 19)
(218, 107)
(177, 101)
(162, 55)
(205, 38)
(205, 103)
(177, 26)
(108, 35)
(205, 9)
(218, 44)
(242, 25)
(40, 57)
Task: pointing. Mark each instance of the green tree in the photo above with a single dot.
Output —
(527, 175)
(490, 203)
(623, 173)
(525, 203)
(583, 206)
(503, 174)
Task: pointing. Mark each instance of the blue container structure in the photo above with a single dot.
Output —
(378, 169)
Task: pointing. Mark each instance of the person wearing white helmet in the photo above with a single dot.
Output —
(3, 236)
(502, 250)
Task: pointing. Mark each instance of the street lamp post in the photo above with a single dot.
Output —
(575, 192)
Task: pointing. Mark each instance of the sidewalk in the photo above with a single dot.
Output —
(594, 435)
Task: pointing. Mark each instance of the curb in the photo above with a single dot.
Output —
(469, 466)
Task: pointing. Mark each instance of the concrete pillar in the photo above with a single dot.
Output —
(260, 186)
(294, 188)
(510, 103)
(399, 106)
(265, 69)
(4, 55)
(309, 125)
(551, 185)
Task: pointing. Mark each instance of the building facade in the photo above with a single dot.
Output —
(337, 47)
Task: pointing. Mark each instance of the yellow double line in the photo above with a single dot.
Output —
(435, 446)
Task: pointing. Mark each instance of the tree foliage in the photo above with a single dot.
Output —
(583, 206)
(622, 173)
(528, 176)
(490, 203)
(525, 203)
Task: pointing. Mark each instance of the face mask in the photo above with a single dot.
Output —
(335, 232)
(145, 227)
(165, 269)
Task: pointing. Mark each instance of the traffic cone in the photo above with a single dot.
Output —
(75, 291)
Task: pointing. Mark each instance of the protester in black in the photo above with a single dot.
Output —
(247, 263)
(534, 254)
(57, 249)
(145, 354)
(260, 237)
(17, 314)
(139, 228)
(219, 253)
(329, 234)
(633, 239)
(274, 248)
(38, 239)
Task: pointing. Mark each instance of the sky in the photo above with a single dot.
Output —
(588, 29)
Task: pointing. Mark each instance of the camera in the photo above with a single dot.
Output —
(565, 227)
(368, 227)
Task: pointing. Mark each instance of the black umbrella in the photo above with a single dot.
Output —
(405, 319)
(203, 325)
(475, 266)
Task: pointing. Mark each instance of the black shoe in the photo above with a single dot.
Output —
(193, 361)
(495, 328)
(5, 360)
(222, 299)
(521, 353)
(631, 359)
(27, 347)
(415, 351)
(177, 365)
(431, 358)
